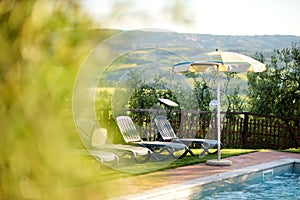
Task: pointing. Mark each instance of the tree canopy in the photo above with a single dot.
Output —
(277, 91)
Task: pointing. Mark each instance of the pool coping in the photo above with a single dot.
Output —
(176, 190)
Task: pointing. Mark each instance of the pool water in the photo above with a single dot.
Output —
(284, 186)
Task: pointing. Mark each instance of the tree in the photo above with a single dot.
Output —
(200, 91)
(146, 95)
(235, 102)
(277, 91)
(42, 45)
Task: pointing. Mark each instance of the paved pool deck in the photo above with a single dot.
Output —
(139, 184)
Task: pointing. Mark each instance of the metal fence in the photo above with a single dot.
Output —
(238, 129)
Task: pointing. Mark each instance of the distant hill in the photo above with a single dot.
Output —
(245, 44)
(240, 44)
(185, 44)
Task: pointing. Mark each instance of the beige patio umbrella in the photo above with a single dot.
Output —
(222, 62)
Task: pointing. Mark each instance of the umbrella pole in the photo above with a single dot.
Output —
(219, 114)
(219, 161)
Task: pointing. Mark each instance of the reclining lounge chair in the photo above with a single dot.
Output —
(131, 136)
(94, 139)
(167, 133)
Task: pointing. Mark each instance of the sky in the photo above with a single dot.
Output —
(218, 17)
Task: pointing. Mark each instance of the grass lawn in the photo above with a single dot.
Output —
(292, 150)
(102, 172)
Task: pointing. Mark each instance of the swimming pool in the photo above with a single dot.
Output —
(220, 184)
(283, 186)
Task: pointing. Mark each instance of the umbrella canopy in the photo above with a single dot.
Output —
(225, 61)
(222, 62)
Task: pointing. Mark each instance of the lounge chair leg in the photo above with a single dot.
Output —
(145, 158)
(183, 155)
(158, 155)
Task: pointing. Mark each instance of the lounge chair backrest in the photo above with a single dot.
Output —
(164, 128)
(128, 129)
(86, 128)
(91, 133)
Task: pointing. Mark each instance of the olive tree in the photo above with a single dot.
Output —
(277, 91)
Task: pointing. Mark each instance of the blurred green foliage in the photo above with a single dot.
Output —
(42, 46)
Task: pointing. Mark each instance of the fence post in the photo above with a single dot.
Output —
(245, 131)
